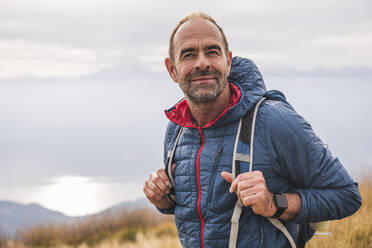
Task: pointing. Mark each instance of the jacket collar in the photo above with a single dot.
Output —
(181, 113)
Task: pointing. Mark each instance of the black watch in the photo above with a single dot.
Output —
(281, 204)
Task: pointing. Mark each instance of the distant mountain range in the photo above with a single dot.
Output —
(14, 216)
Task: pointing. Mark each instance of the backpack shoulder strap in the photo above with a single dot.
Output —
(168, 165)
(245, 134)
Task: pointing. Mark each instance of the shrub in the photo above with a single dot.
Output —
(41, 236)
(128, 235)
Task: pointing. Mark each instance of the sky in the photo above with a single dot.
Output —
(83, 87)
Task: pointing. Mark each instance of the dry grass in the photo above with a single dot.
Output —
(93, 231)
(163, 235)
(3, 240)
(144, 228)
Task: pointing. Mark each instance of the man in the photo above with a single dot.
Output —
(289, 158)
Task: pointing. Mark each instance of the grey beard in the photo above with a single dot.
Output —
(203, 98)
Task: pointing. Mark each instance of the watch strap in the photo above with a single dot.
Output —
(281, 205)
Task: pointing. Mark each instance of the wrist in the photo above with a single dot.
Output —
(271, 210)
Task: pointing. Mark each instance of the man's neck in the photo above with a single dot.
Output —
(203, 113)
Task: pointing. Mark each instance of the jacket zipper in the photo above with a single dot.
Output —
(201, 135)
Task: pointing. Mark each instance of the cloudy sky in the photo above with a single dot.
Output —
(83, 87)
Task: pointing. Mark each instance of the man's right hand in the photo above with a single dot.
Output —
(157, 188)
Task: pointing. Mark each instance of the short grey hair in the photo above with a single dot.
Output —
(193, 15)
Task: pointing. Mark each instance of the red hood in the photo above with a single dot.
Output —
(181, 114)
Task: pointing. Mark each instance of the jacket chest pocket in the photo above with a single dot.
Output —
(220, 200)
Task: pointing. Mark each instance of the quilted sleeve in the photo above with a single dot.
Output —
(326, 189)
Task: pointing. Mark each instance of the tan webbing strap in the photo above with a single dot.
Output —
(235, 224)
(246, 158)
(243, 157)
(252, 130)
(284, 230)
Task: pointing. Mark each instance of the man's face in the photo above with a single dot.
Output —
(200, 65)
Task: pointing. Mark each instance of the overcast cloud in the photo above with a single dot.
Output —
(83, 84)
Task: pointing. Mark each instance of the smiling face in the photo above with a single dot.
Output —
(200, 65)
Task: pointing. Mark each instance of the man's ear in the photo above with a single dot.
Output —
(229, 59)
(171, 69)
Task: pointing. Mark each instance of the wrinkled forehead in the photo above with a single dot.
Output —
(196, 30)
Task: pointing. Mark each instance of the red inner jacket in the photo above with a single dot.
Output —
(181, 113)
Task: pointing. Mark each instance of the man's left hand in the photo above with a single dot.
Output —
(252, 191)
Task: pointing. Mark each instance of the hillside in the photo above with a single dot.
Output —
(14, 216)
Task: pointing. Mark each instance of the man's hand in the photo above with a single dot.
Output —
(157, 187)
(252, 191)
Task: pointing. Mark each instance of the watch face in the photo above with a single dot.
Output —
(281, 201)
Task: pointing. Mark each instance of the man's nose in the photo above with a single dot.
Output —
(202, 62)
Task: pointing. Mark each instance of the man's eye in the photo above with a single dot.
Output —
(213, 53)
(188, 55)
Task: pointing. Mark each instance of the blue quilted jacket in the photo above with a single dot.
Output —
(287, 151)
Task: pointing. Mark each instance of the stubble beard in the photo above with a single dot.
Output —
(201, 94)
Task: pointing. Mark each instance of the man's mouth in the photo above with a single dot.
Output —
(203, 79)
